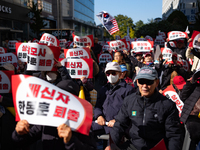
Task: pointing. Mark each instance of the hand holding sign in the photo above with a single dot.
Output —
(22, 127)
(65, 132)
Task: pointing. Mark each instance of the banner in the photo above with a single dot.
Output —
(170, 93)
(83, 41)
(78, 68)
(8, 58)
(141, 46)
(3, 50)
(127, 38)
(195, 36)
(5, 81)
(63, 42)
(108, 21)
(104, 58)
(106, 48)
(77, 52)
(173, 35)
(118, 45)
(11, 44)
(159, 41)
(39, 57)
(49, 39)
(42, 103)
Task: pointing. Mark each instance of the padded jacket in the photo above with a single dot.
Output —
(151, 119)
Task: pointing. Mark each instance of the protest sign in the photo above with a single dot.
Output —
(83, 41)
(62, 42)
(77, 52)
(162, 34)
(39, 57)
(127, 38)
(148, 38)
(117, 37)
(141, 39)
(106, 48)
(5, 81)
(141, 46)
(78, 68)
(104, 58)
(186, 65)
(8, 58)
(159, 41)
(118, 45)
(170, 93)
(195, 36)
(167, 53)
(3, 50)
(49, 39)
(42, 103)
(11, 44)
(173, 35)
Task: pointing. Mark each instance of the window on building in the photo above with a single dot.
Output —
(193, 4)
(47, 7)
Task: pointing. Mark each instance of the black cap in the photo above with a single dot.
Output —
(69, 86)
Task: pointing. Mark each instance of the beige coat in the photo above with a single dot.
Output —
(188, 54)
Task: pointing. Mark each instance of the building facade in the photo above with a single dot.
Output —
(188, 7)
(14, 20)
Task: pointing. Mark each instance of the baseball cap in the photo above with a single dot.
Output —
(138, 53)
(147, 54)
(123, 68)
(8, 66)
(147, 72)
(113, 66)
(69, 86)
(179, 81)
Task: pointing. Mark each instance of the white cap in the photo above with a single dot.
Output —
(113, 66)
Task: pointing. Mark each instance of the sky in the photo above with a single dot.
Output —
(135, 9)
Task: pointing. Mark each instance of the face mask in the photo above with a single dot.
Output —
(113, 79)
(51, 77)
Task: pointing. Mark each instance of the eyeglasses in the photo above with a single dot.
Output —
(145, 81)
(108, 73)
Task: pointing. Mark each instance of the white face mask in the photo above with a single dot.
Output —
(113, 79)
(51, 76)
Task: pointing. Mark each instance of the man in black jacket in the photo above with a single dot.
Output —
(151, 115)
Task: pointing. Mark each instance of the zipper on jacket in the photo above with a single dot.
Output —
(144, 113)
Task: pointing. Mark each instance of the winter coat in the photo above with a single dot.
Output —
(151, 119)
(109, 100)
(51, 140)
(189, 95)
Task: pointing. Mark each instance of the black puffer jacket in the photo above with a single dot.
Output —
(51, 140)
(151, 119)
(189, 95)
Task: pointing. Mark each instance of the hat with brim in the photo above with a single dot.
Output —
(123, 68)
(114, 66)
(179, 81)
(147, 73)
(8, 66)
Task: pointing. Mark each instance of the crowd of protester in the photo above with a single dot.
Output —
(129, 106)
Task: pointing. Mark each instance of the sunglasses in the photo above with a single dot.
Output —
(108, 73)
(145, 81)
